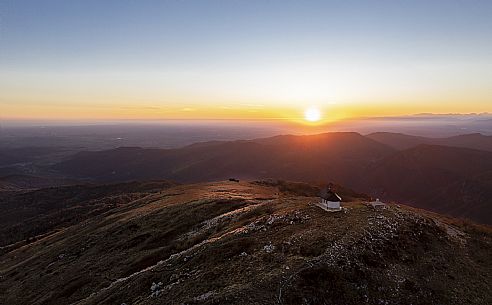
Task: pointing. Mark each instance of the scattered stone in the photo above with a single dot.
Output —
(204, 296)
(269, 248)
(155, 289)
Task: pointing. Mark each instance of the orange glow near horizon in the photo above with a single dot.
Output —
(264, 93)
(298, 115)
(150, 105)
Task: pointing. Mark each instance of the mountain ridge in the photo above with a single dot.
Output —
(402, 141)
(250, 243)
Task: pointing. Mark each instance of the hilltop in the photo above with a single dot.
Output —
(258, 242)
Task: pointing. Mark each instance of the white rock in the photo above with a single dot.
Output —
(269, 248)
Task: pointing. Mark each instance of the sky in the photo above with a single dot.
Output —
(243, 59)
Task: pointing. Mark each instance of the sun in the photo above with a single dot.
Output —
(312, 114)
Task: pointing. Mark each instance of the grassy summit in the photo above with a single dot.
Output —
(250, 243)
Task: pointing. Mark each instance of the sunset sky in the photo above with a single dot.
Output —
(243, 59)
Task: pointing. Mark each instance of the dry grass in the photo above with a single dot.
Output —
(229, 247)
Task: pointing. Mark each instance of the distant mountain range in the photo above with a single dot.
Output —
(448, 175)
(402, 141)
(330, 156)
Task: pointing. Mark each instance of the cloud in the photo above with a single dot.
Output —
(141, 107)
(253, 105)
